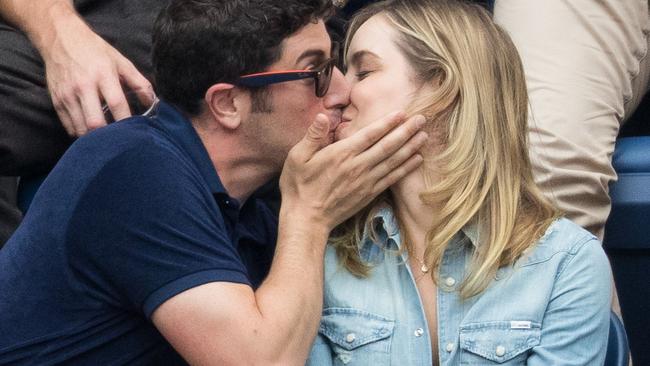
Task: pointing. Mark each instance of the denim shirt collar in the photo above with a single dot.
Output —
(387, 229)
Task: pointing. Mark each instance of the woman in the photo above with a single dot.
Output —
(464, 261)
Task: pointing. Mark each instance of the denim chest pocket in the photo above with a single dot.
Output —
(357, 337)
(498, 343)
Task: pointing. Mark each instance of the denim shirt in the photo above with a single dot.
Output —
(550, 308)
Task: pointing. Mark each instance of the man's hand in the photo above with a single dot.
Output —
(322, 184)
(82, 70)
(327, 184)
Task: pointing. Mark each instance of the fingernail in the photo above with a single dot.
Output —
(420, 121)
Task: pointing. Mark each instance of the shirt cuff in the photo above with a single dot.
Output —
(179, 285)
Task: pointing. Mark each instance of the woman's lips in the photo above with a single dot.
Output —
(339, 133)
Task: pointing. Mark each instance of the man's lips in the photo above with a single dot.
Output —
(335, 120)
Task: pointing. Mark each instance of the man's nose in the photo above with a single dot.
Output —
(338, 94)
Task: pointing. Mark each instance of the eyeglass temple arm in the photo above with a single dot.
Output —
(262, 79)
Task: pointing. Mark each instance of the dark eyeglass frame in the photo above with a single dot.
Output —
(322, 75)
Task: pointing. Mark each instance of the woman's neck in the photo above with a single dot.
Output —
(414, 215)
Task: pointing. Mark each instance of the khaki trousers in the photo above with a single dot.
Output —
(587, 69)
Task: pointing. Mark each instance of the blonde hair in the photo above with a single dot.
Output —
(478, 111)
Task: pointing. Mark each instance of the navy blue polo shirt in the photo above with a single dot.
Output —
(132, 215)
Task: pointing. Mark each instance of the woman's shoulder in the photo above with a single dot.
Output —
(563, 239)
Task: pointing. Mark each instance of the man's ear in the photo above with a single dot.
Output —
(225, 104)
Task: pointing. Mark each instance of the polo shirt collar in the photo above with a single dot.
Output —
(180, 130)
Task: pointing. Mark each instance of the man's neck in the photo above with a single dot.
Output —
(239, 168)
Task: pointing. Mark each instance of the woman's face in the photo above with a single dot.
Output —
(382, 80)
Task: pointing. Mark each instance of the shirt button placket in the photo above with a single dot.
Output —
(450, 282)
(449, 347)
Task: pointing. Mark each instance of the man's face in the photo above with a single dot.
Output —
(292, 106)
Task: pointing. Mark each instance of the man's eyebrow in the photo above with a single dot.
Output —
(356, 57)
(318, 54)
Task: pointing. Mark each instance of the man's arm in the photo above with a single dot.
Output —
(82, 69)
(322, 185)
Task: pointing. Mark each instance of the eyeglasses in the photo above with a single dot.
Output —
(322, 75)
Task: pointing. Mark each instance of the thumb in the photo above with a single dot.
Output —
(317, 136)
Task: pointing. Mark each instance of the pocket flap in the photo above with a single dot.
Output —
(499, 341)
(351, 328)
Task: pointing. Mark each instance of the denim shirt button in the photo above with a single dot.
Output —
(418, 332)
(449, 347)
(450, 281)
(500, 351)
(350, 337)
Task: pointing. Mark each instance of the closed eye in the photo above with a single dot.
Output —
(362, 74)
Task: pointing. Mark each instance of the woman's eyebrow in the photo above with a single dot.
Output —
(358, 56)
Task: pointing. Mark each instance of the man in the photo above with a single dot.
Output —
(587, 71)
(59, 61)
(10, 216)
(147, 243)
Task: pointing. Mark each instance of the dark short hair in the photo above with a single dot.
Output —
(197, 43)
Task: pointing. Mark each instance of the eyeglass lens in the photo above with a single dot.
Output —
(324, 79)
(325, 76)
